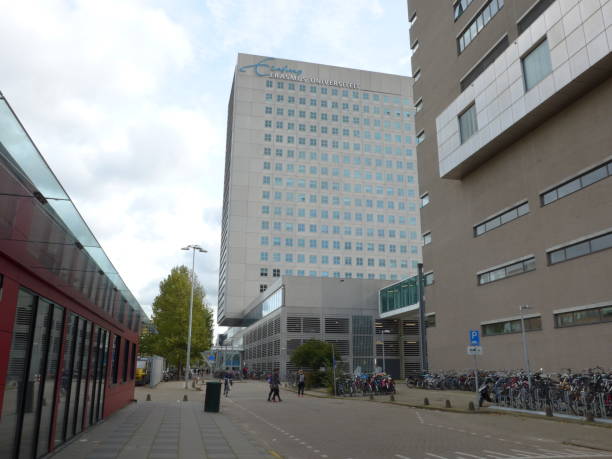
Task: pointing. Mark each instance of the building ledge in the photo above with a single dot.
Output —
(505, 111)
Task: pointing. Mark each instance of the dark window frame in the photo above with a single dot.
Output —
(499, 216)
(554, 191)
(525, 270)
(513, 321)
(560, 315)
(551, 253)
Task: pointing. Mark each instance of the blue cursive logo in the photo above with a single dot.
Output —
(264, 69)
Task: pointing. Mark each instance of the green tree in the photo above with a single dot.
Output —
(171, 320)
(314, 354)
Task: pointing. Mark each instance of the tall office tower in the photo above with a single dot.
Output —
(514, 110)
(320, 178)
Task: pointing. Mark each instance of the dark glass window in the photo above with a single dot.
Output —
(592, 245)
(507, 271)
(16, 377)
(584, 317)
(66, 379)
(512, 326)
(115, 364)
(126, 360)
(582, 181)
(85, 338)
(501, 219)
(133, 361)
(48, 396)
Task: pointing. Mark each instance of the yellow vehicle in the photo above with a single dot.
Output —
(143, 371)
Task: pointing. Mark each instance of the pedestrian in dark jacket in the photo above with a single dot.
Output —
(271, 383)
(276, 386)
(301, 383)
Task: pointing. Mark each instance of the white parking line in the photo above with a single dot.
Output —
(497, 454)
(435, 455)
(559, 453)
(469, 455)
(528, 453)
(401, 457)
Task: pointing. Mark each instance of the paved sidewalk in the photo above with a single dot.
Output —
(165, 428)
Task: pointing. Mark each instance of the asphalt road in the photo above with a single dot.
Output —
(312, 427)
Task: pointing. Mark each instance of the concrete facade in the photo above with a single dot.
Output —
(340, 311)
(320, 178)
(506, 217)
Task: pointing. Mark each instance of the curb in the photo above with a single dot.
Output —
(410, 405)
(455, 410)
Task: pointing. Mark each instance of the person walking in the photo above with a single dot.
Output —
(276, 386)
(271, 393)
(301, 383)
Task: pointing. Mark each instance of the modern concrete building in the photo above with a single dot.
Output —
(344, 312)
(320, 178)
(514, 105)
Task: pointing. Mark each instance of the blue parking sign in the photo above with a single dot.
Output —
(474, 337)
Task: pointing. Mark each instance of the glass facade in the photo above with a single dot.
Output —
(56, 360)
(400, 295)
(33, 381)
(76, 259)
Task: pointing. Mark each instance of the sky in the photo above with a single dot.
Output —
(127, 102)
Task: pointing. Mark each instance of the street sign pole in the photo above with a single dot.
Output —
(476, 376)
(475, 349)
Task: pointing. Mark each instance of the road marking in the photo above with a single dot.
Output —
(470, 455)
(498, 454)
(420, 417)
(550, 451)
(528, 453)
(401, 457)
(435, 455)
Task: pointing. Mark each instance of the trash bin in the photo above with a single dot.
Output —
(212, 399)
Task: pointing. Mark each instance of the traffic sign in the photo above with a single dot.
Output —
(474, 338)
(474, 350)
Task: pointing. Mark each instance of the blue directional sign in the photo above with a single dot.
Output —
(474, 337)
(211, 357)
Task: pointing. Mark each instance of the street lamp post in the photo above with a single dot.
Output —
(334, 367)
(193, 248)
(525, 350)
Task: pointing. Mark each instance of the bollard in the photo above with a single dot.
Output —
(471, 406)
(193, 383)
(426, 401)
(448, 404)
(392, 398)
(148, 397)
(549, 412)
(589, 416)
(185, 398)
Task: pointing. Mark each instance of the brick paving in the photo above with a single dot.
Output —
(164, 428)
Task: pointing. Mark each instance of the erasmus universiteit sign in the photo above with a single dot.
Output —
(265, 68)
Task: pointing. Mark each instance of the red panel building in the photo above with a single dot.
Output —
(68, 324)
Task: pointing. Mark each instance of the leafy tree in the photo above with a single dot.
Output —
(171, 320)
(314, 354)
